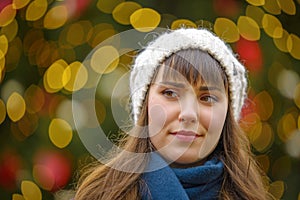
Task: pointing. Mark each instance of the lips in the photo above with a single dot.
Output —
(186, 136)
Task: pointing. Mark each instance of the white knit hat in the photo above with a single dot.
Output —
(170, 42)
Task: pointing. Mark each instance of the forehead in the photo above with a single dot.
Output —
(192, 67)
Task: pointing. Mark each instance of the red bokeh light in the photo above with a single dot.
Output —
(10, 164)
(4, 3)
(250, 53)
(52, 169)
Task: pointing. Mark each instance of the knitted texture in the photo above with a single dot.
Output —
(170, 42)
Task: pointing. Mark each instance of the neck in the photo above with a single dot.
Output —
(188, 165)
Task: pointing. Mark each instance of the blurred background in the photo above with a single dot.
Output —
(43, 45)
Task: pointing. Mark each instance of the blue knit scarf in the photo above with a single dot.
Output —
(201, 182)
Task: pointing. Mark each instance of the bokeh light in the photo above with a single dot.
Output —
(105, 59)
(123, 11)
(272, 26)
(248, 28)
(30, 190)
(60, 133)
(15, 107)
(56, 17)
(226, 29)
(36, 9)
(7, 15)
(145, 19)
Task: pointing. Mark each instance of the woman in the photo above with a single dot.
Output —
(187, 92)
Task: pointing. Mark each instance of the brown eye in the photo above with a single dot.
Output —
(209, 99)
(170, 94)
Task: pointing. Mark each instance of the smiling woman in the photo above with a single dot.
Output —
(187, 109)
(187, 92)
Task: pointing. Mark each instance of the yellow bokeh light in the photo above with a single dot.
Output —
(2, 111)
(281, 43)
(3, 46)
(107, 6)
(286, 126)
(78, 76)
(293, 46)
(288, 6)
(297, 97)
(179, 23)
(18, 4)
(10, 31)
(105, 59)
(56, 17)
(255, 13)
(34, 98)
(255, 131)
(31, 191)
(272, 26)
(54, 75)
(265, 138)
(248, 28)
(227, 30)
(277, 189)
(46, 86)
(15, 107)
(289, 123)
(264, 105)
(273, 7)
(36, 9)
(7, 15)
(145, 19)
(122, 12)
(17, 197)
(60, 133)
(256, 2)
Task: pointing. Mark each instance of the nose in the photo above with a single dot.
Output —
(189, 112)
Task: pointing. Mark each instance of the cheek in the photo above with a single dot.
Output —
(157, 117)
(213, 119)
(160, 115)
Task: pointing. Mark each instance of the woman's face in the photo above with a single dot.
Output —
(185, 121)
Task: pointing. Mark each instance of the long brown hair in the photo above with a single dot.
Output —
(242, 176)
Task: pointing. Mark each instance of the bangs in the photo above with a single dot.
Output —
(196, 67)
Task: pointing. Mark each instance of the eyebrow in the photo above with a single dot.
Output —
(174, 84)
(207, 88)
(182, 85)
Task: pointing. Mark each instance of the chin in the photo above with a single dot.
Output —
(186, 159)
